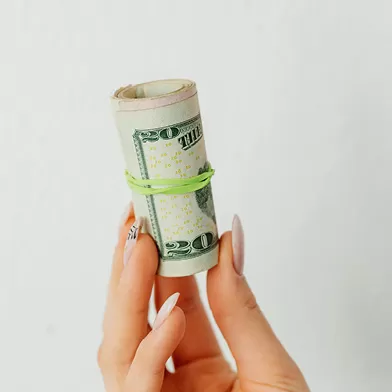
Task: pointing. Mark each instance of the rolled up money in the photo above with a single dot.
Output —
(162, 139)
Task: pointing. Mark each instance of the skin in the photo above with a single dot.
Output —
(132, 357)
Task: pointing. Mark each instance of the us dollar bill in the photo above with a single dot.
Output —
(162, 137)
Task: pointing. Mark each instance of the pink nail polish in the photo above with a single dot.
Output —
(165, 310)
(125, 215)
(238, 245)
(133, 234)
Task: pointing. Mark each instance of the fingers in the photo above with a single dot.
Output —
(127, 219)
(199, 340)
(126, 324)
(148, 368)
(251, 339)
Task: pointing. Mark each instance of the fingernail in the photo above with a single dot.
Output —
(125, 215)
(238, 245)
(165, 310)
(133, 234)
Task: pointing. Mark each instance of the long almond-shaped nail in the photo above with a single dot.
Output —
(125, 215)
(165, 310)
(133, 234)
(238, 245)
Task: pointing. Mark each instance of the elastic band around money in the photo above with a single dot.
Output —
(172, 186)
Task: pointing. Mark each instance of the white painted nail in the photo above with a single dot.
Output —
(133, 234)
(238, 245)
(165, 310)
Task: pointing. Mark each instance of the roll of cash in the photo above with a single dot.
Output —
(162, 139)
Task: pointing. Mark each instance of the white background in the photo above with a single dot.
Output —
(296, 99)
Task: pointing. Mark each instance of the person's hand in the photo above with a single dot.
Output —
(133, 356)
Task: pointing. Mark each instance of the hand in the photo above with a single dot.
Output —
(133, 355)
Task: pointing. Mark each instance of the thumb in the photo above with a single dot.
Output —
(256, 349)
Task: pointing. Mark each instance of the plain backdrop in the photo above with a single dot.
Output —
(296, 100)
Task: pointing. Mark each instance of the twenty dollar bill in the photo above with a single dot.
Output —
(162, 137)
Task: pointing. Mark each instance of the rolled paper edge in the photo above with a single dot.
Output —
(133, 104)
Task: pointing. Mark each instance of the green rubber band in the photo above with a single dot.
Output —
(171, 186)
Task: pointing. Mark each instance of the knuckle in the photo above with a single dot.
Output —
(250, 302)
(190, 304)
(101, 357)
(136, 310)
(289, 382)
(110, 357)
(130, 304)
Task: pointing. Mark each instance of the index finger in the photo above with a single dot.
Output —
(126, 221)
(199, 340)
